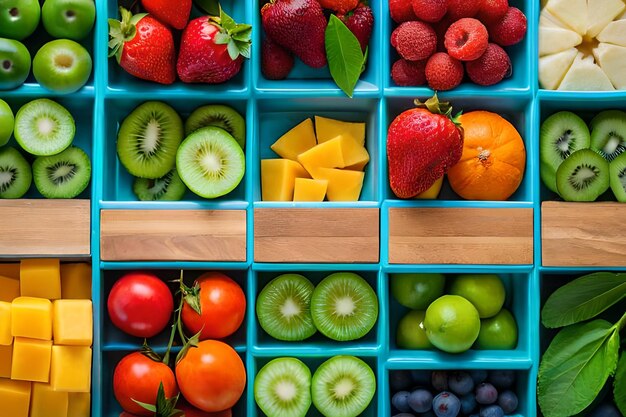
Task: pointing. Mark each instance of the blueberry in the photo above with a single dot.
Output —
(502, 379)
(421, 400)
(508, 401)
(439, 380)
(399, 380)
(461, 383)
(446, 404)
(478, 375)
(491, 411)
(400, 401)
(486, 393)
(468, 403)
(421, 378)
(605, 410)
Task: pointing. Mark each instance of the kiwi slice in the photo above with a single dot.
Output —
(344, 306)
(148, 140)
(284, 308)
(282, 388)
(617, 174)
(167, 188)
(561, 134)
(343, 386)
(15, 174)
(210, 162)
(218, 115)
(584, 176)
(43, 127)
(608, 133)
(65, 175)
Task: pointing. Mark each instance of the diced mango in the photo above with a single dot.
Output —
(72, 322)
(309, 190)
(46, 403)
(355, 156)
(10, 270)
(298, 140)
(9, 288)
(326, 155)
(76, 281)
(278, 178)
(14, 398)
(6, 356)
(343, 185)
(328, 129)
(31, 360)
(79, 404)
(32, 317)
(41, 278)
(6, 335)
(71, 369)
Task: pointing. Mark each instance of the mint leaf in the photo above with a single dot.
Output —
(583, 299)
(211, 7)
(619, 386)
(345, 58)
(576, 366)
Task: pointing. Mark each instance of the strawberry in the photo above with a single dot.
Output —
(422, 144)
(360, 22)
(339, 6)
(172, 13)
(212, 49)
(276, 62)
(143, 46)
(298, 26)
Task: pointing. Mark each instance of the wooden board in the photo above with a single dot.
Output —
(173, 235)
(583, 234)
(45, 228)
(461, 236)
(316, 235)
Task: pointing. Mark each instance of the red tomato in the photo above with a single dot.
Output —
(212, 376)
(138, 377)
(140, 304)
(194, 412)
(223, 305)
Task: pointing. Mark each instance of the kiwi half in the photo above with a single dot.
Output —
(210, 162)
(15, 174)
(617, 174)
(282, 388)
(608, 134)
(218, 115)
(148, 140)
(43, 127)
(584, 176)
(167, 188)
(65, 175)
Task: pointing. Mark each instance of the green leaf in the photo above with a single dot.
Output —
(192, 297)
(619, 386)
(576, 366)
(345, 58)
(583, 299)
(211, 7)
(221, 38)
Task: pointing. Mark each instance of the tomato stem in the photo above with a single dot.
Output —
(176, 325)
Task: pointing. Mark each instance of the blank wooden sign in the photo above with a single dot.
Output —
(583, 234)
(486, 236)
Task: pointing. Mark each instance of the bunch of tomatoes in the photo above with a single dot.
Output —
(208, 376)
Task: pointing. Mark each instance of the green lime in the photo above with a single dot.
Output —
(7, 121)
(498, 332)
(411, 333)
(417, 291)
(486, 292)
(452, 323)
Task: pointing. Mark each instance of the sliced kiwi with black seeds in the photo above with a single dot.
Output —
(167, 188)
(548, 176)
(617, 174)
(65, 175)
(218, 115)
(584, 176)
(284, 308)
(148, 140)
(15, 173)
(282, 388)
(608, 133)
(210, 162)
(343, 386)
(44, 127)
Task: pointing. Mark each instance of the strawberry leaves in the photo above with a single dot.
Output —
(237, 36)
(121, 31)
(165, 407)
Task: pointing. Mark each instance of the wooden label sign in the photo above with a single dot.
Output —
(316, 235)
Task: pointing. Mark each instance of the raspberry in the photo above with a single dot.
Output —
(339, 6)
(492, 10)
(441, 28)
(463, 8)
(414, 41)
(443, 72)
(276, 62)
(491, 67)
(430, 10)
(466, 39)
(408, 73)
(510, 30)
(401, 11)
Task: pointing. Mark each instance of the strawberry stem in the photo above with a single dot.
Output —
(435, 106)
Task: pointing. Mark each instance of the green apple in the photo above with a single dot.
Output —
(411, 333)
(62, 66)
(417, 291)
(71, 19)
(498, 332)
(19, 18)
(7, 120)
(14, 64)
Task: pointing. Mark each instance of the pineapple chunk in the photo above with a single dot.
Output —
(553, 40)
(310, 190)
(601, 13)
(9, 288)
(355, 156)
(41, 278)
(325, 155)
(343, 185)
(571, 12)
(278, 178)
(612, 59)
(552, 68)
(328, 129)
(614, 32)
(585, 75)
(298, 140)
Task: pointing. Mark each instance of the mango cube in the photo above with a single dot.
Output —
(41, 278)
(31, 360)
(72, 322)
(71, 369)
(328, 129)
(355, 156)
(10, 270)
(32, 317)
(6, 336)
(326, 155)
(309, 190)
(278, 178)
(14, 398)
(79, 404)
(343, 185)
(76, 281)
(9, 288)
(6, 357)
(46, 403)
(298, 140)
